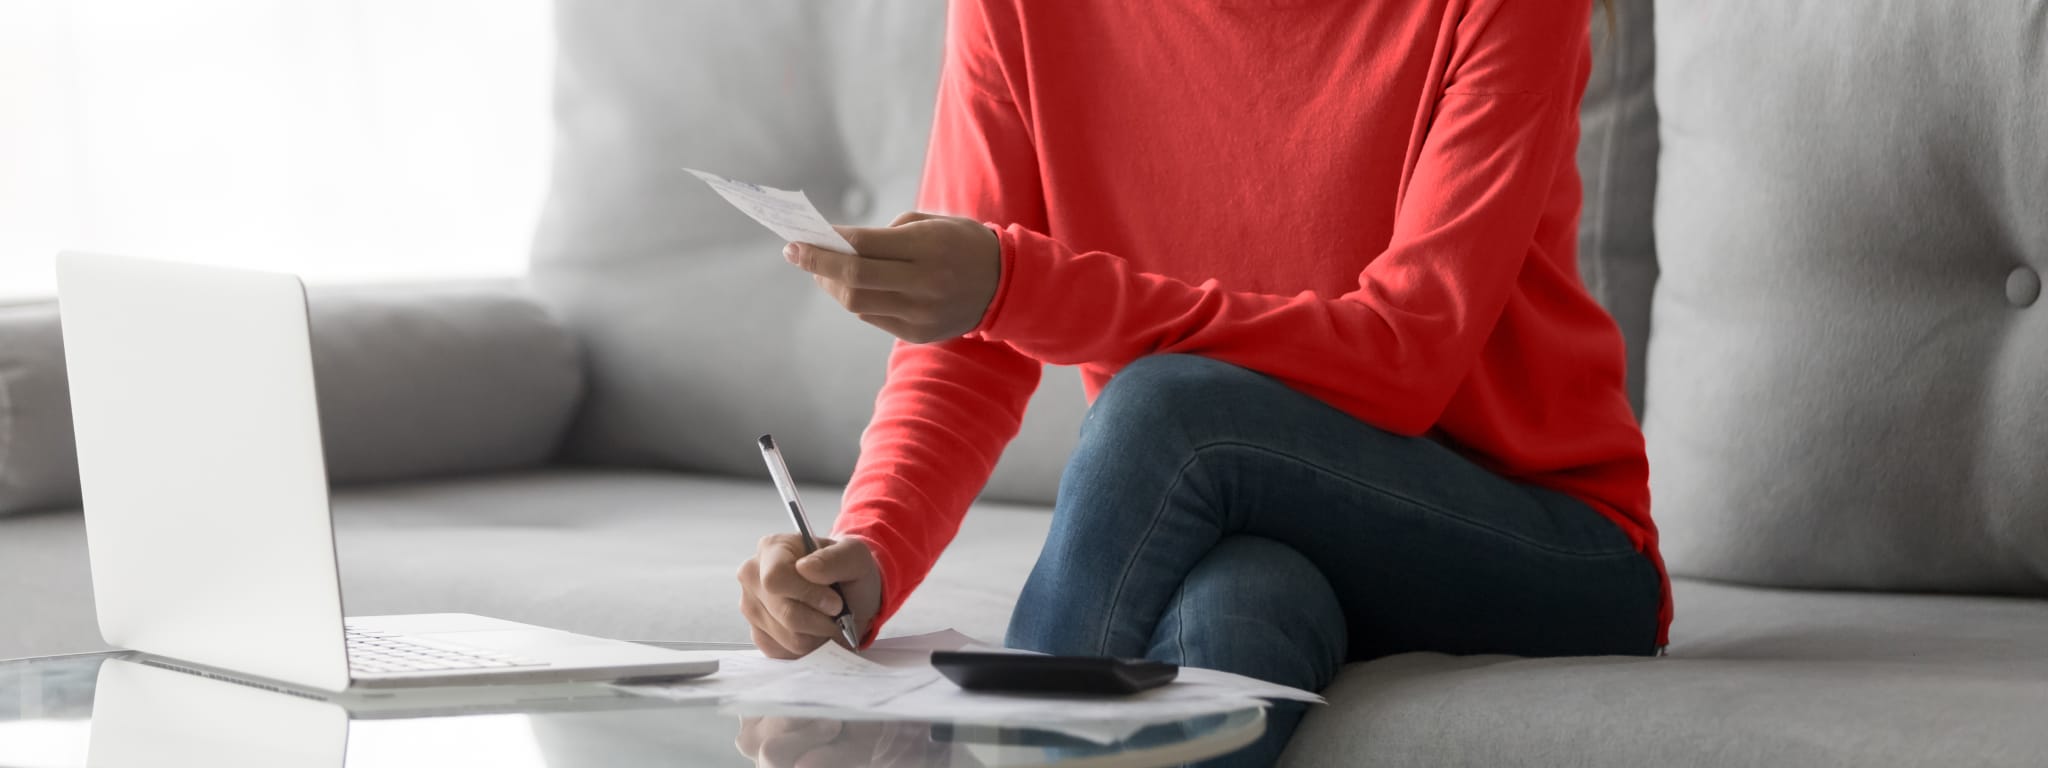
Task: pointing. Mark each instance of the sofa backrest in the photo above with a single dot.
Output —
(414, 382)
(700, 338)
(1848, 379)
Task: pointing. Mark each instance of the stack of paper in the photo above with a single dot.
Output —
(894, 680)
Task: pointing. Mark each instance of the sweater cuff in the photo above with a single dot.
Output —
(1008, 243)
(897, 577)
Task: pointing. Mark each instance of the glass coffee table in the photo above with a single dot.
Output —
(117, 709)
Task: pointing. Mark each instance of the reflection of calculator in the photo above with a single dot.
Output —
(1032, 673)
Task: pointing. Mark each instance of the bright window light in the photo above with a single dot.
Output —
(342, 139)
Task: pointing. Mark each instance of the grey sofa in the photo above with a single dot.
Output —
(1818, 223)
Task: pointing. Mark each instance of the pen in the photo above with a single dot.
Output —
(787, 487)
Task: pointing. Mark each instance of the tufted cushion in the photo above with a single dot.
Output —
(414, 381)
(699, 336)
(1848, 385)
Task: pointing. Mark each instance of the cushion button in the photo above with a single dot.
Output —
(856, 202)
(2022, 287)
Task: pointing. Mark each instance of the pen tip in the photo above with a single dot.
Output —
(767, 441)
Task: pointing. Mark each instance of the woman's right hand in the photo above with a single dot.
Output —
(787, 596)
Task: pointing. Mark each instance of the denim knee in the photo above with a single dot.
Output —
(1256, 607)
(1162, 394)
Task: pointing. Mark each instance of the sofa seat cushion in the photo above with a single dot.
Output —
(637, 555)
(1755, 677)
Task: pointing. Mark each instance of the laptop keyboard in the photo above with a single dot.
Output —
(376, 653)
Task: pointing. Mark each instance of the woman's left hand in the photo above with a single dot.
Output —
(924, 278)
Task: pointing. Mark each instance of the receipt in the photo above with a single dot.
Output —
(787, 213)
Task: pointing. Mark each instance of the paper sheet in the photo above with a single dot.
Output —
(835, 677)
(738, 672)
(1100, 720)
(787, 213)
(894, 680)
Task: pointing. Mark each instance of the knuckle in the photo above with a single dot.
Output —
(782, 582)
(788, 612)
(872, 302)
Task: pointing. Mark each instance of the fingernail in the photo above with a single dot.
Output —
(789, 252)
(829, 605)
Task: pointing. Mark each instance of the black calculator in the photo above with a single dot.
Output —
(1033, 673)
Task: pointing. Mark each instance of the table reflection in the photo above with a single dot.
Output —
(148, 716)
(152, 712)
(776, 742)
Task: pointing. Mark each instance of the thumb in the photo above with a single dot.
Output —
(842, 560)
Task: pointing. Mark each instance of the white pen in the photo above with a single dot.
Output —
(786, 486)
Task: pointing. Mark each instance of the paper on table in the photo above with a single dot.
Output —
(1101, 720)
(895, 681)
(738, 672)
(942, 640)
(832, 676)
(1198, 677)
(949, 640)
(829, 676)
(788, 213)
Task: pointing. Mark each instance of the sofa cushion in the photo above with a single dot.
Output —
(1847, 380)
(414, 381)
(699, 336)
(638, 555)
(633, 555)
(431, 380)
(1618, 166)
(38, 460)
(1755, 677)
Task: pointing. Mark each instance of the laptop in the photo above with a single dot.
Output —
(205, 491)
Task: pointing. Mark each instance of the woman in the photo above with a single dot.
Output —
(1316, 261)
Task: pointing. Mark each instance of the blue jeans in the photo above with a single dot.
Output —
(1213, 517)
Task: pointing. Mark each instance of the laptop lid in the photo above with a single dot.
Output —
(199, 459)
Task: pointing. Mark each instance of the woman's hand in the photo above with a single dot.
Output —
(787, 596)
(924, 278)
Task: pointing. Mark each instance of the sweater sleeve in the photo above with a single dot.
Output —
(1394, 351)
(947, 409)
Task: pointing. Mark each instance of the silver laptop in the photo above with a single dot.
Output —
(206, 509)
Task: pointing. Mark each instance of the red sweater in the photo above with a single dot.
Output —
(1374, 203)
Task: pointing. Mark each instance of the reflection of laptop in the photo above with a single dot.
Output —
(205, 490)
(152, 717)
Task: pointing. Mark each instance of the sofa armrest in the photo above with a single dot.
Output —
(414, 380)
